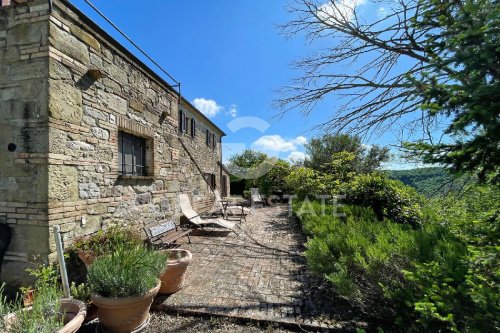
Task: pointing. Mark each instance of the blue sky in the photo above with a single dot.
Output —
(230, 59)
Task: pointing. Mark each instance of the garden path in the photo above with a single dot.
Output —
(260, 274)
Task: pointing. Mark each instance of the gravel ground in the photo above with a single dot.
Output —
(162, 323)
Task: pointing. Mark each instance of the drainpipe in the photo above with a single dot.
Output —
(62, 263)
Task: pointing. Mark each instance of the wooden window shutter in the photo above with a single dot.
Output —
(181, 120)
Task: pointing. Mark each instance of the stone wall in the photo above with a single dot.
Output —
(85, 117)
(65, 119)
(24, 134)
(206, 158)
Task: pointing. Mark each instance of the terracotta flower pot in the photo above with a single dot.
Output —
(91, 312)
(124, 314)
(28, 297)
(174, 277)
(87, 258)
(74, 313)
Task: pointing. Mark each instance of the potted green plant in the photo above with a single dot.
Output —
(124, 284)
(173, 279)
(28, 295)
(81, 292)
(48, 312)
(104, 242)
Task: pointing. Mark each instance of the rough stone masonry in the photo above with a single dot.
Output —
(66, 91)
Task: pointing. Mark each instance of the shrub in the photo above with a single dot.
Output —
(44, 316)
(388, 198)
(440, 277)
(274, 179)
(361, 255)
(459, 289)
(305, 182)
(127, 271)
(106, 241)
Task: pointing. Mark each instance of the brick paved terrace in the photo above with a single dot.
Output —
(260, 274)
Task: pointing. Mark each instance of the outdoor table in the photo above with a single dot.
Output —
(233, 201)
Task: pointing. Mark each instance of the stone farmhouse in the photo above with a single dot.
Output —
(89, 135)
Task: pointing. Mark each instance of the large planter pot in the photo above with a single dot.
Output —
(74, 312)
(91, 312)
(124, 314)
(174, 277)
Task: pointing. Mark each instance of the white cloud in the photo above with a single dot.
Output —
(296, 156)
(300, 140)
(342, 10)
(381, 12)
(233, 111)
(208, 107)
(277, 143)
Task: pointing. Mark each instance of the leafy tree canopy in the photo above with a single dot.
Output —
(453, 76)
(274, 180)
(248, 158)
(342, 153)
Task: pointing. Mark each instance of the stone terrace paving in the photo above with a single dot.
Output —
(260, 274)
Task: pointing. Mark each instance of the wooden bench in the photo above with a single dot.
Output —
(165, 233)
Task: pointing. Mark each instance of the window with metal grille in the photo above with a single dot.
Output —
(131, 154)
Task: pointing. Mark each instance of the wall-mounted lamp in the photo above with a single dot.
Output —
(95, 73)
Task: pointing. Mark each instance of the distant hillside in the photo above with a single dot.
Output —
(427, 181)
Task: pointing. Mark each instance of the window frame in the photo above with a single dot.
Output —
(193, 127)
(135, 142)
(211, 180)
(182, 122)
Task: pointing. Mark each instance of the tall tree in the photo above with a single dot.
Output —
(452, 47)
(325, 153)
(250, 165)
(247, 159)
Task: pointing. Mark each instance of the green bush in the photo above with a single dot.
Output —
(44, 316)
(127, 271)
(106, 241)
(305, 182)
(441, 277)
(459, 290)
(361, 255)
(388, 198)
(274, 179)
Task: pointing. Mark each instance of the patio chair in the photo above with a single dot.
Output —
(233, 210)
(195, 219)
(256, 198)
